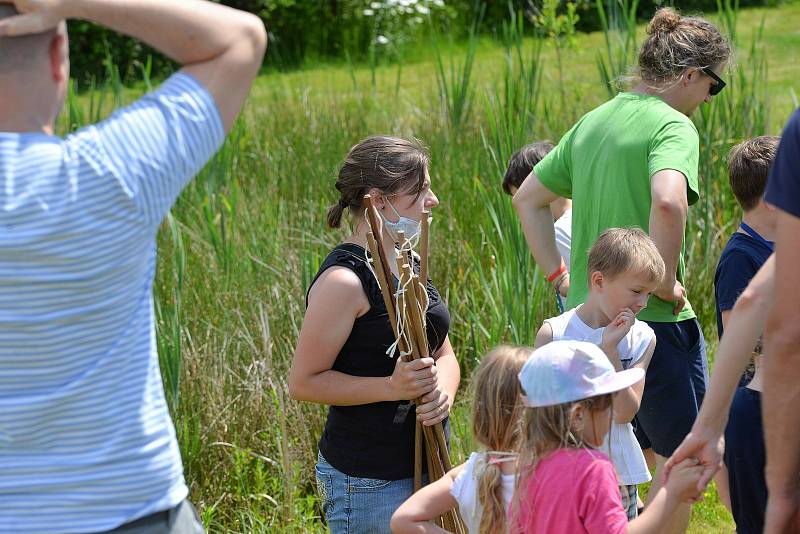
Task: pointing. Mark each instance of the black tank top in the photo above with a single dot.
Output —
(374, 440)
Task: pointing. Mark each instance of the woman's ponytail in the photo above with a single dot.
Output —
(335, 213)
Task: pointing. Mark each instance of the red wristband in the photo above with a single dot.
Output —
(557, 273)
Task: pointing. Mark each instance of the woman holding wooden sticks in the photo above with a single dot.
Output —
(346, 355)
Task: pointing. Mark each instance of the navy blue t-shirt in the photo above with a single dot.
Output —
(783, 187)
(745, 458)
(739, 262)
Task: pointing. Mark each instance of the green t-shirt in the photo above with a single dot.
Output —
(604, 163)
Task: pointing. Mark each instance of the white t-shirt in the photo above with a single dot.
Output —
(620, 443)
(563, 229)
(465, 491)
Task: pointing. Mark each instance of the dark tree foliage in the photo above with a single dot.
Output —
(303, 30)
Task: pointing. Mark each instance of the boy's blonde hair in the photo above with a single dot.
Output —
(496, 417)
(626, 250)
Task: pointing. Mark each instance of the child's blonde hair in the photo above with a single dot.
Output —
(626, 250)
(496, 416)
(547, 429)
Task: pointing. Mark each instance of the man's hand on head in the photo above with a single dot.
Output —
(33, 16)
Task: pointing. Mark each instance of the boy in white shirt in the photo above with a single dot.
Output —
(519, 167)
(624, 268)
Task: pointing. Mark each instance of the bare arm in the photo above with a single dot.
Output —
(334, 303)
(658, 516)
(543, 336)
(745, 325)
(220, 46)
(725, 316)
(628, 400)
(782, 381)
(437, 404)
(668, 212)
(416, 515)
(532, 204)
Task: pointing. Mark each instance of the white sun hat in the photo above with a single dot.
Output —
(568, 371)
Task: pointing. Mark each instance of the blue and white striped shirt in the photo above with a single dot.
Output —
(86, 441)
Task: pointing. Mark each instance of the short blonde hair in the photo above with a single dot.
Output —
(626, 250)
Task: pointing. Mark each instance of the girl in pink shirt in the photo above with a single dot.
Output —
(564, 484)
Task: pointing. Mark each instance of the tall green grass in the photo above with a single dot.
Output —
(245, 238)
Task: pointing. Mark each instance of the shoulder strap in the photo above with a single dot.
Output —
(353, 257)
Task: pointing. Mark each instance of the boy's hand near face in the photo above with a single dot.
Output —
(615, 332)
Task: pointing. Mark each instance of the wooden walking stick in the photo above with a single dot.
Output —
(434, 435)
(412, 342)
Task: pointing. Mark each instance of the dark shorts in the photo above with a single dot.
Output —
(674, 387)
(745, 458)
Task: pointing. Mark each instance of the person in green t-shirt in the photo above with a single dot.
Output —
(632, 162)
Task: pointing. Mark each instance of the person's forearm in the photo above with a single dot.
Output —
(781, 398)
(449, 375)
(626, 405)
(537, 225)
(188, 31)
(340, 389)
(408, 526)
(657, 517)
(745, 325)
(667, 226)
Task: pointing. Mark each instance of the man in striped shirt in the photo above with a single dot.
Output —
(86, 441)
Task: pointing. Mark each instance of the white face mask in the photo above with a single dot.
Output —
(410, 227)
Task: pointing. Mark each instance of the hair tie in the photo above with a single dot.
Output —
(343, 203)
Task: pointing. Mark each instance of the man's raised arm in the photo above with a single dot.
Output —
(220, 46)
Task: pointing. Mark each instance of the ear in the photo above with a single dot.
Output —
(576, 415)
(378, 198)
(57, 56)
(691, 75)
(596, 279)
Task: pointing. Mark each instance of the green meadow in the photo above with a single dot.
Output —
(245, 238)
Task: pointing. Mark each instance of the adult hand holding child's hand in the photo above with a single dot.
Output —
(682, 483)
(705, 445)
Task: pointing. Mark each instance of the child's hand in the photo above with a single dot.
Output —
(618, 329)
(683, 479)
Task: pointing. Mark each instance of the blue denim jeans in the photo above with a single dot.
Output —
(354, 505)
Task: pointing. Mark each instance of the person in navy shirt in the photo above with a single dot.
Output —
(782, 339)
(770, 302)
(741, 482)
(752, 243)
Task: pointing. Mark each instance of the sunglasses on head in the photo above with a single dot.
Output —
(719, 84)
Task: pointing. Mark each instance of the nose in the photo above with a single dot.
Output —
(432, 200)
(708, 98)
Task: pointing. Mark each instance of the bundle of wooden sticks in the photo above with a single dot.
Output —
(407, 306)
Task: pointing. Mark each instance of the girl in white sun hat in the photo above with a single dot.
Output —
(564, 483)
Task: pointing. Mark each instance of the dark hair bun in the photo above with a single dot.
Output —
(665, 20)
